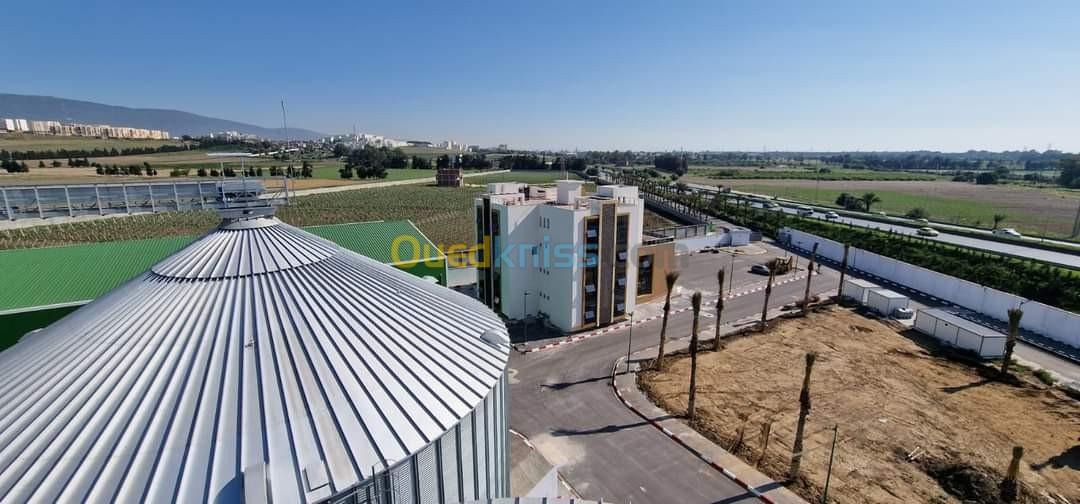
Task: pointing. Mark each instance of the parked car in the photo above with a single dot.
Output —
(1008, 233)
(832, 215)
(760, 269)
(927, 231)
(903, 313)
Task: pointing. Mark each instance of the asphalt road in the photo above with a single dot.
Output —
(561, 399)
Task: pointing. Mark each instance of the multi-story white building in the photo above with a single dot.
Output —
(556, 253)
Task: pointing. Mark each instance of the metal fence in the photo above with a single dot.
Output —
(22, 202)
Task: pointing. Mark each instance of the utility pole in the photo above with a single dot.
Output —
(843, 271)
(525, 315)
(629, 342)
(828, 475)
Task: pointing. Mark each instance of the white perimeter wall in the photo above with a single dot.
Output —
(1054, 323)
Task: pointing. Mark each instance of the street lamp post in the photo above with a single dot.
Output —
(629, 342)
(525, 315)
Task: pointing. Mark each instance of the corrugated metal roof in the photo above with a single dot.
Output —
(198, 384)
(77, 273)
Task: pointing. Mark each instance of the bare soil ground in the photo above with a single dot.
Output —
(889, 396)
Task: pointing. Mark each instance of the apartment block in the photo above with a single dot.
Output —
(563, 256)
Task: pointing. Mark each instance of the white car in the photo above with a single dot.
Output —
(923, 222)
(832, 215)
(1008, 233)
(927, 231)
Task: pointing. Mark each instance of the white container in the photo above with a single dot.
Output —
(856, 289)
(884, 301)
(959, 332)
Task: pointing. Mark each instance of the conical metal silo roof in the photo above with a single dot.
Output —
(256, 361)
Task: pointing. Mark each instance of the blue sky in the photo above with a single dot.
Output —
(859, 75)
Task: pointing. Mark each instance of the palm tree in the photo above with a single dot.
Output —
(868, 199)
(719, 308)
(768, 292)
(998, 217)
(1014, 327)
(670, 279)
(1009, 487)
(809, 278)
(804, 411)
(695, 301)
(843, 272)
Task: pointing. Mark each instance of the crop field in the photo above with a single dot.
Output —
(19, 143)
(710, 175)
(525, 177)
(1028, 209)
(912, 425)
(445, 215)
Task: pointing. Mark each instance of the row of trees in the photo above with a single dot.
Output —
(858, 203)
(85, 153)
(12, 166)
(671, 163)
(372, 162)
(133, 169)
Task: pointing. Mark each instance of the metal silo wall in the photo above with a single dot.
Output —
(471, 461)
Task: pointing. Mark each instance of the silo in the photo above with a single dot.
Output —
(260, 364)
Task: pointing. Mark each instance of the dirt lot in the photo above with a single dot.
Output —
(889, 396)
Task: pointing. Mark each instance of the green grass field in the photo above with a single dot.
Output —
(525, 177)
(952, 210)
(19, 143)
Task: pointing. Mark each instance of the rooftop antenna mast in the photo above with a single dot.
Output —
(288, 157)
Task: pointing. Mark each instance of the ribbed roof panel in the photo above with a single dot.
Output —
(235, 250)
(204, 377)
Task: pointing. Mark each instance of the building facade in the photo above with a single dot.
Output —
(448, 176)
(557, 254)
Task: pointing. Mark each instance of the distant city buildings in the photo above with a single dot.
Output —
(234, 136)
(78, 129)
(576, 261)
(361, 140)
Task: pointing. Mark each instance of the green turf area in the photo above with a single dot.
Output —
(55, 275)
(19, 143)
(525, 177)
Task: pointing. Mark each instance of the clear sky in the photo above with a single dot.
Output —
(726, 75)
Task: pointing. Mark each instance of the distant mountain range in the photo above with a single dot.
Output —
(177, 123)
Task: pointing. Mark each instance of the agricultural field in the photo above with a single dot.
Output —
(17, 142)
(445, 215)
(912, 425)
(525, 177)
(710, 175)
(1028, 209)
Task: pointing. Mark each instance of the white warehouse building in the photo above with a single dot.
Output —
(556, 253)
(260, 364)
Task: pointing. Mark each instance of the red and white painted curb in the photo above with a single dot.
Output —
(759, 287)
(671, 435)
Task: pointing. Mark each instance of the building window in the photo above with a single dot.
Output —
(645, 274)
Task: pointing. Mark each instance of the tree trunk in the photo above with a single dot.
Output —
(669, 280)
(843, 271)
(719, 309)
(768, 292)
(696, 300)
(804, 411)
(809, 278)
(1010, 487)
(1014, 328)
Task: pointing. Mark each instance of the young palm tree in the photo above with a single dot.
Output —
(804, 411)
(768, 292)
(809, 278)
(1010, 487)
(719, 308)
(868, 200)
(696, 302)
(843, 272)
(998, 218)
(1014, 328)
(669, 279)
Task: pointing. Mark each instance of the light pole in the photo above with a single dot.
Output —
(525, 315)
(731, 269)
(629, 341)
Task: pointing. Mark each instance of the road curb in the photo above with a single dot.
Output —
(671, 435)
